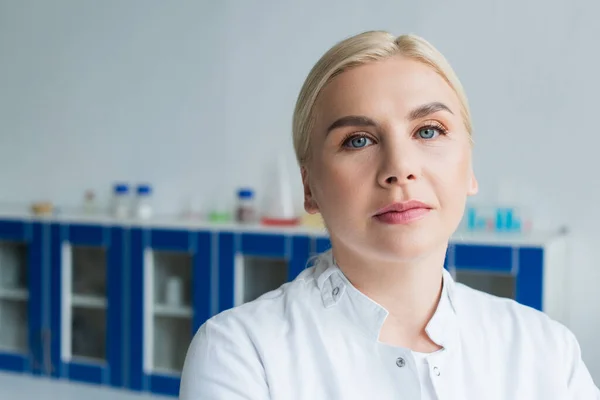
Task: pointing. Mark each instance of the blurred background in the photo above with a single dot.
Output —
(195, 99)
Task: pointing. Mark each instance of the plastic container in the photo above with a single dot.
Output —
(246, 207)
(121, 200)
(279, 205)
(143, 205)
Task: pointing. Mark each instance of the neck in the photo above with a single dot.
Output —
(408, 289)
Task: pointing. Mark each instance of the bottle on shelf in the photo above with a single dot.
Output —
(121, 200)
(143, 207)
(279, 207)
(246, 209)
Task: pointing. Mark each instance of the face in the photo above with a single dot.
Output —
(390, 162)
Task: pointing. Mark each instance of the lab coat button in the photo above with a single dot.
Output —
(400, 362)
(336, 290)
(436, 371)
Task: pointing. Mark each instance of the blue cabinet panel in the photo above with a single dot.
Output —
(530, 277)
(86, 373)
(483, 258)
(15, 230)
(55, 304)
(87, 235)
(111, 240)
(196, 245)
(13, 362)
(263, 245)
(30, 235)
(136, 340)
(201, 276)
(38, 294)
(164, 385)
(226, 262)
(115, 292)
(171, 239)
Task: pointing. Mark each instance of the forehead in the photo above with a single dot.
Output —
(390, 87)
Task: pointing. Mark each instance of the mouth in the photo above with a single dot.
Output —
(402, 213)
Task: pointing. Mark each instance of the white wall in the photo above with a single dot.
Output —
(197, 97)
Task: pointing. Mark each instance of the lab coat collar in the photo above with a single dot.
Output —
(337, 291)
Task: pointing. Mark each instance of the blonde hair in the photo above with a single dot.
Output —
(359, 50)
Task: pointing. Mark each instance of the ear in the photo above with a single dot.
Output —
(310, 204)
(473, 185)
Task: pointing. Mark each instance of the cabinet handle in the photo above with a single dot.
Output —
(47, 340)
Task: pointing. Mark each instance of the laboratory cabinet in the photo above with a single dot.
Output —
(117, 302)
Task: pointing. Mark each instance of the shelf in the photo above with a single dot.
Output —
(13, 265)
(88, 334)
(171, 340)
(16, 294)
(166, 310)
(497, 284)
(172, 278)
(13, 326)
(89, 270)
(88, 360)
(167, 371)
(255, 276)
(87, 301)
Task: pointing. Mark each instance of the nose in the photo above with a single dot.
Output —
(399, 166)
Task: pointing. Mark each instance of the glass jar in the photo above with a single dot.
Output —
(121, 200)
(143, 207)
(246, 208)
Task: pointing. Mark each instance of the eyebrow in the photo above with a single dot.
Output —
(428, 109)
(363, 121)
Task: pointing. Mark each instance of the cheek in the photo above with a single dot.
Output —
(340, 182)
(452, 173)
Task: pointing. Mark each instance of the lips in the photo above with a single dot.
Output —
(401, 207)
(402, 213)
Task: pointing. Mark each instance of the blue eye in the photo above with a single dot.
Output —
(428, 132)
(358, 142)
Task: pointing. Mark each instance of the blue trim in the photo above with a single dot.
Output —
(13, 362)
(263, 245)
(36, 295)
(89, 373)
(483, 258)
(87, 235)
(136, 343)
(55, 306)
(300, 255)
(170, 239)
(226, 270)
(14, 230)
(165, 385)
(201, 276)
(530, 277)
(126, 303)
(115, 291)
(322, 245)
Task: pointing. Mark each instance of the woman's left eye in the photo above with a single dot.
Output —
(358, 142)
(429, 132)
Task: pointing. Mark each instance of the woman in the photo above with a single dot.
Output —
(382, 133)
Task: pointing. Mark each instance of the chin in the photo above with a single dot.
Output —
(404, 249)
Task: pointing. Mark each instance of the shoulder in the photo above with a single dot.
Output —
(227, 352)
(267, 315)
(506, 318)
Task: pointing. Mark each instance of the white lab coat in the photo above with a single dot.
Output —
(317, 338)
